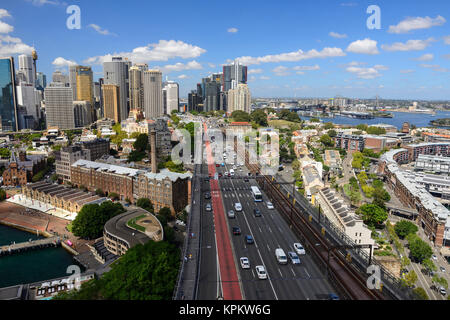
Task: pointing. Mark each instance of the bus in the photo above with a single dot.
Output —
(231, 173)
(257, 196)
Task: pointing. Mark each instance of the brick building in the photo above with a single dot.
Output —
(20, 171)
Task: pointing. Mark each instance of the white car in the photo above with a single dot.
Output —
(434, 257)
(299, 249)
(270, 205)
(238, 207)
(245, 263)
(261, 272)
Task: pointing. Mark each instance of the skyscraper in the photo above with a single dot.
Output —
(111, 102)
(73, 81)
(26, 66)
(26, 98)
(239, 99)
(85, 84)
(136, 96)
(233, 75)
(58, 76)
(83, 113)
(59, 106)
(41, 81)
(153, 102)
(212, 96)
(172, 96)
(116, 72)
(8, 100)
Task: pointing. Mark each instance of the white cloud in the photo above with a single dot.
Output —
(255, 71)
(4, 13)
(366, 46)
(11, 46)
(232, 30)
(61, 62)
(415, 23)
(44, 2)
(407, 71)
(5, 28)
(101, 31)
(434, 67)
(211, 65)
(293, 56)
(264, 78)
(446, 56)
(447, 39)
(306, 68)
(366, 73)
(425, 57)
(161, 51)
(410, 45)
(281, 71)
(182, 76)
(337, 35)
(192, 65)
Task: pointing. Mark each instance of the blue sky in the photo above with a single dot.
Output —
(318, 48)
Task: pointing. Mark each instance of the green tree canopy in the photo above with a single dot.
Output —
(141, 144)
(372, 214)
(421, 293)
(145, 204)
(260, 117)
(326, 140)
(403, 228)
(240, 116)
(91, 219)
(420, 250)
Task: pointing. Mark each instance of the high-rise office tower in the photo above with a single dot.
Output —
(8, 98)
(101, 111)
(233, 75)
(172, 96)
(239, 99)
(26, 66)
(73, 81)
(212, 96)
(41, 81)
(111, 102)
(85, 84)
(83, 113)
(59, 106)
(136, 89)
(116, 72)
(60, 77)
(26, 98)
(153, 102)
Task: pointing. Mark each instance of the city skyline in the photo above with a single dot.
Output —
(323, 54)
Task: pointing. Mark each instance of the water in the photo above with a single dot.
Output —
(417, 119)
(31, 266)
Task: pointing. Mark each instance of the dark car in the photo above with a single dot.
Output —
(207, 195)
(333, 296)
(249, 239)
(246, 180)
(257, 212)
(236, 231)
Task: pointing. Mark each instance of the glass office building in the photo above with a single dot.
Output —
(8, 102)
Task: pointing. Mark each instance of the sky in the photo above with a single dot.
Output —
(320, 48)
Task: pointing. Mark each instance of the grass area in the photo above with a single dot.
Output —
(280, 124)
(132, 223)
(69, 227)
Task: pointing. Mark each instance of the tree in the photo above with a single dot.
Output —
(5, 153)
(260, 117)
(296, 165)
(145, 204)
(114, 196)
(372, 214)
(144, 272)
(91, 219)
(410, 278)
(141, 144)
(332, 133)
(405, 262)
(240, 116)
(440, 281)
(2, 195)
(429, 265)
(166, 212)
(326, 140)
(99, 192)
(328, 126)
(421, 293)
(403, 228)
(420, 250)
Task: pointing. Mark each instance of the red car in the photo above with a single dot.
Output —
(217, 165)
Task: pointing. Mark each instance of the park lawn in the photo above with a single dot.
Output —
(280, 124)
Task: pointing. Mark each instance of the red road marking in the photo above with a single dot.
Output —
(228, 272)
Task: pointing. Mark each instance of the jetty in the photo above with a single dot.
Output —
(29, 245)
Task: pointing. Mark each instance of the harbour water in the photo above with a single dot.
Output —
(33, 265)
(417, 119)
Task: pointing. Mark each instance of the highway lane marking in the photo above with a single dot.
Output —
(293, 272)
(280, 272)
(307, 273)
(270, 229)
(260, 230)
(268, 247)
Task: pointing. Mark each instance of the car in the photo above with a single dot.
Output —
(443, 291)
(261, 272)
(222, 164)
(208, 207)
(238, 207)
(294, 257)
(333, 296)
(299, 248)
(257, 212)
(231, 214)
(220, 175)
(281, 256)
(270, 205)
(245, 263)
(434, 257)
(246, 180)
(207, 195)
(217, 165)
(442, 269)
(249, 239)
(226, 173)
(236, 231)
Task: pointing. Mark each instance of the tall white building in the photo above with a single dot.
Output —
(26, 97)
(172, 97)
(60, 77)
(117, 72)
(239, 99)
(153, 101)
(59, 106)
(73, 81)
(26, 66)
